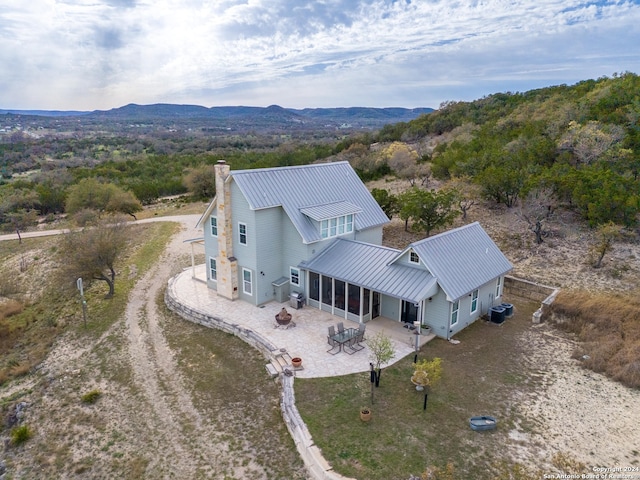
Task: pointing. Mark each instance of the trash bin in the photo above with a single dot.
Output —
(296, 300)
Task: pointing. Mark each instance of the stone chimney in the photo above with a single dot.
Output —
(226, 263)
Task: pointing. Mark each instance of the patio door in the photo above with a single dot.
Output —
(375, 308)
(409, 312)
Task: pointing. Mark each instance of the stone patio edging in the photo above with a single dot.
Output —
(316, 465)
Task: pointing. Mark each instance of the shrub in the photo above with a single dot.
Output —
(9, 308)
(20, 434)
(91, 397)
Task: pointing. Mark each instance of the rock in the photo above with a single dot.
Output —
(15, 414)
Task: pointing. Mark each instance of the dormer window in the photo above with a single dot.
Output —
(333, 227)
(334, 219)
(414, 258)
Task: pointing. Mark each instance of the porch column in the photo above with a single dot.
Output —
(346, 300)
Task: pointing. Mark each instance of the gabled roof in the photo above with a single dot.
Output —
(371, 266)
(319, 190)
(462, 259)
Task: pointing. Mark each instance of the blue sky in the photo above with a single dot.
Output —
(102, 54)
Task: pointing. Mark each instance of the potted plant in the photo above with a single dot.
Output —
(426, 373)
(365, 414)
(296, 362)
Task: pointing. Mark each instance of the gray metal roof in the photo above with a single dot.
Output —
(300, 187)
(462, 259)
(330, 210)
(370, 266)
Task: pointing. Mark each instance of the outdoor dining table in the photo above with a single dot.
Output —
(342, 338)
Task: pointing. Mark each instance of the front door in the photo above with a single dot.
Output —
(409, 312)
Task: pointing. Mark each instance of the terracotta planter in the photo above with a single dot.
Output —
(296, 362)
(419, 386)
(365, 414)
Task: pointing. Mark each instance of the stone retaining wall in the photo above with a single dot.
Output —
(317, 466)
(532, 291)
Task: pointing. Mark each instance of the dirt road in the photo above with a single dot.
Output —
(145, 424)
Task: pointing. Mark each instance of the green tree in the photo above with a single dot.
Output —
(51, 198)
(89, 193)
(201, 182)
(121, 201)
(387, 201)
(21, 219)
(606, 235)
(91, 253)
(428, 209)
(603, 195)
(502, 183)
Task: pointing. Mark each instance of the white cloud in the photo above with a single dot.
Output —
(87, 54)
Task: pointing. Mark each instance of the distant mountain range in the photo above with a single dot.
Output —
(274, 115)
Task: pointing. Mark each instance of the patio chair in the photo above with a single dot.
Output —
(355, 343)
(332, 331)
(340, 327)
(334, 344)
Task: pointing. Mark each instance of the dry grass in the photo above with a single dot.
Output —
(608, 327)
(10, 308)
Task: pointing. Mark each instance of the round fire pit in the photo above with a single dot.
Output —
(284, 321)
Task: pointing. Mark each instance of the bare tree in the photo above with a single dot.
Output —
(589, 142)
(91, 253)
(536, 209)
(467, 194)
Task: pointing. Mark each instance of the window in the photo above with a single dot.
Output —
(247, 286)
(414, 258)
(499, 287)
(214, 227)
(213, 269)
(333, 227)
(474, 301)
(242, 231)
(294, 276)
(336, 226)
(454, 312)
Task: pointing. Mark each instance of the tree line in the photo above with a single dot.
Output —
(573, 146)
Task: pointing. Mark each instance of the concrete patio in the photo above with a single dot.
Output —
(307, 339)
